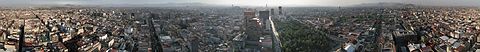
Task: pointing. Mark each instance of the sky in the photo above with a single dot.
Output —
(251, 2)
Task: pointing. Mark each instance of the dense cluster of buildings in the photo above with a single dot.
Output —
(198, 29)
(120, 29)
(443, 29)
(257, 31)
(423, 29)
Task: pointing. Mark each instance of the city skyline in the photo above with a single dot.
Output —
(248, 2)
(239, 26)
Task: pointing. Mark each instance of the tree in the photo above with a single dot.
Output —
(298, 37)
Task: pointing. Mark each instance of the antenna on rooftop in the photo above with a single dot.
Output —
(233, 3)
(266, 3)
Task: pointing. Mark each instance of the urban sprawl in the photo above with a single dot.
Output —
(240, 29)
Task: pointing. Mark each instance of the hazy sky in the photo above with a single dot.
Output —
(252, 2)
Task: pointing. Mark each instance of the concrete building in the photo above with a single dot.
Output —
(264, 16)
(251, 24)
(272, 11)
(280, 10)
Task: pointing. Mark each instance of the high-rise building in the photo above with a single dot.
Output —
(249, 13)
(252, 33)
(21, 42)
(272, 11)
(280, 10)
(252, 25)
(264, 16)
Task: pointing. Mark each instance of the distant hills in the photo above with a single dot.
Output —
(160, 5)
(383, 4)
(116, 5)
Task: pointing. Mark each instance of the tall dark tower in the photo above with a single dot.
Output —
(272, 11)
(280, 10)
(21, 42)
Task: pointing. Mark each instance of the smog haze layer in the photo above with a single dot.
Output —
(241, 2)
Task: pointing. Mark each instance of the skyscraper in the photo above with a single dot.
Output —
(272, 11)
(251, 25)
(252, 32)
(280, 10)
(249, 13)
(264, 15)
